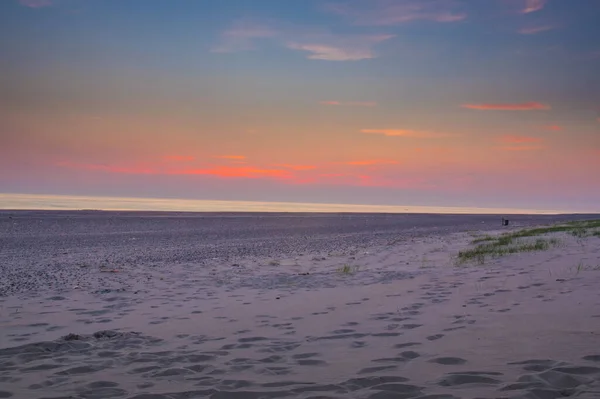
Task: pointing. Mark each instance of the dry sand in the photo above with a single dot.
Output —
(405, 322)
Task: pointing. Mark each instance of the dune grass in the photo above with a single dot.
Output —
(515, 242)
(348, 269)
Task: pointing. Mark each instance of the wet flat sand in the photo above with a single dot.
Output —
(98, 305)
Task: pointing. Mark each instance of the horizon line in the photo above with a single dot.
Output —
(65, 202)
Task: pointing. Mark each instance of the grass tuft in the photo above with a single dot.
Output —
(510, 243)
(482, 239)
(347, 269)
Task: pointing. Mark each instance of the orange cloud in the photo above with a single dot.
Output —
(520, 139)
(297, 167)
(351, 103)
(529, 106)
(232, 157)
(237, 172)
(533, 6)
(371, 163)
(406, 133)
(553, 128)
(220, 171)
(178, 158)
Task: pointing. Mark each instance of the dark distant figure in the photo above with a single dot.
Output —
(504, 222)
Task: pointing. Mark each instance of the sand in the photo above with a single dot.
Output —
(237, 306)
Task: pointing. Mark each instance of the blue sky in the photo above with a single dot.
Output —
(410, 102)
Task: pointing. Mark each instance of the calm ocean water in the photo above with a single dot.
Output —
(63, 202)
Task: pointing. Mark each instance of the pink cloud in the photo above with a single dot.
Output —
(338, 48)
(521, 148)
(237, 172)
(242, 36)
(520, 139)
(246, 34)
(406, 133)
(394, 12)
(351, 103)
(532, 30)
(372, 162)
(553, 128)
(529, 106)
(217, 171)
(533, 6)
(35, 3)
(297, 167)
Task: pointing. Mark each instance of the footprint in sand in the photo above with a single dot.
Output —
(448, 361)
(411, 326)
(410, 355)
(472, 377)
(406, 345)
(373, 370)
(435, 337)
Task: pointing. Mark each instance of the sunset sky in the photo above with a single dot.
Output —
(486, 103)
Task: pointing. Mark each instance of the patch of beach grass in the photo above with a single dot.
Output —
(580, 232)
(482, 239)
(348, 269)
(516, 242)
(582, 267)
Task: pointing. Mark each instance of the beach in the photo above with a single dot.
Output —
(153, 305)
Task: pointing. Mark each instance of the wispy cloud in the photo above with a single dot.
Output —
(133, 170)
(232, 157)
(407, 133)
(297, 167)
(350, 103)
(237, 172)
(338, 48)
(521, 148)
(372, 162)
(528, 106)
(178, 158)
(35, 3)
(520, 143)
(532, 30)
(533, 6)
(510, 139)
(553, 128)
(242, 36)
(394, 12)
(217, 171)
(245, 35)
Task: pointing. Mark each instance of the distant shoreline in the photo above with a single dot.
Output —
(153, 213)
(38, 202)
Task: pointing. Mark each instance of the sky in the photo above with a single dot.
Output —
(470, 103)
